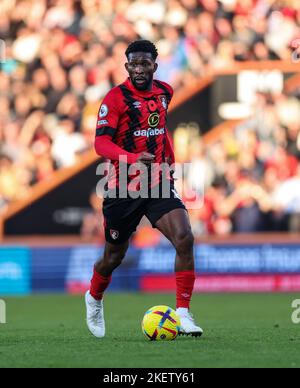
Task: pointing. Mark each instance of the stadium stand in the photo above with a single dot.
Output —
(254, 172)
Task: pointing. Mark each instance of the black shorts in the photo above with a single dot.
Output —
(122, 216)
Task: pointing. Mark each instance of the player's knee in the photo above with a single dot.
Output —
(184, 243)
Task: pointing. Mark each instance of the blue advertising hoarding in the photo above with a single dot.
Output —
(15, 271)
(49, 269)
(69, 269)
(227, 259)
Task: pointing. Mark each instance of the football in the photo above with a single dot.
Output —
(161, 323)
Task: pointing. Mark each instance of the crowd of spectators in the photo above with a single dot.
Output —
(62, 56)
(245, 181)
(251, 175)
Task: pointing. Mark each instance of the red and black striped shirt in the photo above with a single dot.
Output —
(136, 122)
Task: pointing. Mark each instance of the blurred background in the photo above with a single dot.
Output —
(235, 118)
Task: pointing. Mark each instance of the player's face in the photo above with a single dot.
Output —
(141, 68)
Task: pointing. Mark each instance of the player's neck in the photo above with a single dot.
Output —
(148, 90)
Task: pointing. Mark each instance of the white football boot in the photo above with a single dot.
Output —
(95, 316)
(187, 323)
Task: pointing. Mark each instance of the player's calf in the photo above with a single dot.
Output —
(112, 259)
(184, 245)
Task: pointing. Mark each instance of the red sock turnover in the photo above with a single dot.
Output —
(99, 284)
(185, 281)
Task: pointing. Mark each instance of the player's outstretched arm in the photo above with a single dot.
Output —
(105, 147)
(146, 158)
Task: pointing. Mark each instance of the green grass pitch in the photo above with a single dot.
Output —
(240, 331)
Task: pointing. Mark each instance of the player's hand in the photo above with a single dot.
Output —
(171, 163)
(169, 160)
(146, 158)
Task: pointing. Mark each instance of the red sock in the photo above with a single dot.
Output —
(185, 281)
(99, 284)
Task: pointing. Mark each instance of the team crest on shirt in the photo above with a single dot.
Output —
(103, 111)
(114, 234)
(164, 102)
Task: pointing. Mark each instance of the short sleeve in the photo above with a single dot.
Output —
(166, 89)
(108, 115)
(171, 92)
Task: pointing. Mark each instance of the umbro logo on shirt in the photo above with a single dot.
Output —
(137, 104)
